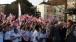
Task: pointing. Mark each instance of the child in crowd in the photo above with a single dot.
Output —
(15, 36)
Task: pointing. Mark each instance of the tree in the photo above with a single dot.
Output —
(7, 9)
(25, 7)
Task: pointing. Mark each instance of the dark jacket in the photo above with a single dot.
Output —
(54, 34)
(70, 36)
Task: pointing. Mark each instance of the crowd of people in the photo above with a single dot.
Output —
(33, 31)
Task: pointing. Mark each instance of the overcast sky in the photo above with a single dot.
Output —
(6, 1)
(34, 2)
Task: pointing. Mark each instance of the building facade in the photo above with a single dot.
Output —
(71, 4)
(43, 8)
(58, 8)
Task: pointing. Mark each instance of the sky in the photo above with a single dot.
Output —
(6, 1)
(34, 2)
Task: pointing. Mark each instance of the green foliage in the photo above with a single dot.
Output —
(25, 7)
(7, 9)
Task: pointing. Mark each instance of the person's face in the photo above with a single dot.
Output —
(1, 9)
(68, 24)
(6, 28)
(16, 31)
(42, 26)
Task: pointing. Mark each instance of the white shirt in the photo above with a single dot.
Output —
(31, 36)
(18, 28)
(15, 35)
(1, 36)
(27, 34)
(35, 34)
(8, 35)
(43, 36)
(20, 34)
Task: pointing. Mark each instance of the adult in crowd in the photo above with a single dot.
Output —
(74, 33)
(69, 33)
(62, 32)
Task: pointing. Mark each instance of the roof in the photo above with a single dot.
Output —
(56, 2)
(43, 3)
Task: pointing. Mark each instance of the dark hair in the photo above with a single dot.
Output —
(1, 29)
(37, 27)
(15, 29)
(70, 21)
(28, 28)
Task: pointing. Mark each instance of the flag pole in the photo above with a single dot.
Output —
(19, 9)
(19, 12)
